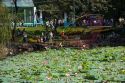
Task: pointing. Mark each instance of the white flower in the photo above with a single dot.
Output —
(70, 70)
(76, 74)
(11, 53)
(49, 78)
(67, 74)
(80, 67)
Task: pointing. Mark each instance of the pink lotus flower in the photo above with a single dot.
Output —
(84, 46)
(49, 78)
(45, 62)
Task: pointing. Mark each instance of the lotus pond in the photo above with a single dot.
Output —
(65, 66)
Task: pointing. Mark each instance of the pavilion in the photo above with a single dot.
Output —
(26, 10)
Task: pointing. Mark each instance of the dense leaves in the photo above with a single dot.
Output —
(109, 8)
(66, 65)
(5, 30)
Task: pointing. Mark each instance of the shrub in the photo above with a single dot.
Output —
(3, 51)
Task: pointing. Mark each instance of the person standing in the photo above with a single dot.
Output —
(51, 37)
(47, 25)
(18, 32)
(52, 25)
(55, 26)
(25, 37)
(121, 21)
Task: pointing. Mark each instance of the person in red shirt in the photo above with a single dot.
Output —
(64, 36)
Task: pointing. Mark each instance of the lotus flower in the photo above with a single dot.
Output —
(49, 78)
(45, 62)
(67, 74)
(80, 67)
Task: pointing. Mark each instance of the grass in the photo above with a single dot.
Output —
(65, 66)
(69, 30)
(59, 29)
(32, 29)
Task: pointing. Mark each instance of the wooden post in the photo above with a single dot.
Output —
(35, 21)
(41, 17)
(15, 22)
(24, 15)
(30, 16)
(65, 20)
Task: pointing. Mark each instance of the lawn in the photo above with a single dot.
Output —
(32, 29)
(65, 65)
(68, 30)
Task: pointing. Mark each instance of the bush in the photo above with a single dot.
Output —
(70, 30)
(38, 32)
(3, 51)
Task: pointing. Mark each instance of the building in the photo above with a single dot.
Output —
(25, 10)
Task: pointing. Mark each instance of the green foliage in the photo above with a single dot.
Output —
(90, 77)
(64, 65)
(122, 72)
(123, 58)
(79, 6)
(85, 65)
(5, 26)
(38, 32)
(32, 29)
(5, 30)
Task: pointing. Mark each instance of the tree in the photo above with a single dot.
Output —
(109, 8)
(114, 9)
(15, 17)
(5, 30)
(60, 5)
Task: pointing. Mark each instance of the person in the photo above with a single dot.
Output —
(44, 39)
(47, 25)
(59, 22)
(38, 39)
(41, 39)
(51, 37)
(64, 37)
(18, 32)
(52, 24)
(25, 40)
(55, 24)
(22, 32)
(121, 21)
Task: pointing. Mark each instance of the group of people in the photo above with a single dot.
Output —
(45, 38)
(96, 22)
(22, 33)
(54, 23)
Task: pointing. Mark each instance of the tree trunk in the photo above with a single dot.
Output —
(15, 23)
